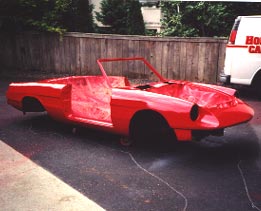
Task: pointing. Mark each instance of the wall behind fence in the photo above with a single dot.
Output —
(195, 59)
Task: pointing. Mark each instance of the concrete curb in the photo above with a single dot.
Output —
(25, 186)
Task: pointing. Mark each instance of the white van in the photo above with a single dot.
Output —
(243, 53)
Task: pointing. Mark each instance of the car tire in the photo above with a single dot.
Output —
(126, 141)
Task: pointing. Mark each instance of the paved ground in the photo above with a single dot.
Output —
(27, 186)
(215, 174)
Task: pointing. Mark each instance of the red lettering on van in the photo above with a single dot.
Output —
(251, 49)
(256, 40)
(249, 40)
(254, 49)
(258, 49)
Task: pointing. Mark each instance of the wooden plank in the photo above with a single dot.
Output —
(92, 57)
(194, 61)
(109, 54)
(158, 55)
(125, 54)
(183, 61)
(95, 55)
(73, 55)
(48, 67)
(67, 57)
(137, 65)
(115, 68)
(78, 57)
(221, 58)
(211, 62)
(2, 54)
(201, 61)
(103, 51)
(214, 62)
(85, 54)
(131, 53)
(142, 53)
(189, 56)
(7, 51)
(23, 52)
(150, 52)
(167, 63)
(14, 56)
(55, 54)
(61, 47)
(37, 52)
(49, 54)
(165, 59)
(175, 57)
(118, 48)
(29, 51)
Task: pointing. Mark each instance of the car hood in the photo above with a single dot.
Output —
(204, 95)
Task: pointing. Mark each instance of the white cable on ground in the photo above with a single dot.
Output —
(246, 188)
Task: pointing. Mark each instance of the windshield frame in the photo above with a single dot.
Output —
(150, 67)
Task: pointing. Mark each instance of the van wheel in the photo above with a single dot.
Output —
(257, 85)
(258, 91)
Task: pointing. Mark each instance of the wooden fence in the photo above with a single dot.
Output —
(195, 59)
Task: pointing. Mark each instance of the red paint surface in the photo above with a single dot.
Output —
(110, 102)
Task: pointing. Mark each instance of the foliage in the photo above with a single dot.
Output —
(9, 15)
(205, 19)
(78, 16)
(180, 18)
(114, 14)
(121, 16)
(194, 18)
(46, 15)
(135, 22)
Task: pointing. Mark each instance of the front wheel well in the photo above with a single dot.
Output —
(32, 104)
(151, 125)
(141, 115)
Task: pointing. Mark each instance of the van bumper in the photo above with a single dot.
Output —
(223, 78)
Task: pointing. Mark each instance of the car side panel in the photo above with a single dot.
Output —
(55, 98)
(125, 103)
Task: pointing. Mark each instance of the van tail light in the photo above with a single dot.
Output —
(233, 33)
(232, 37)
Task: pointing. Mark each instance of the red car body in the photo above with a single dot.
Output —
(112, 103)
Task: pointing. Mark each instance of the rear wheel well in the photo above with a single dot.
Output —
(150, 125)
(32, 104)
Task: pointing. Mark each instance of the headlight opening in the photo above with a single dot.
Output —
(194, 112)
